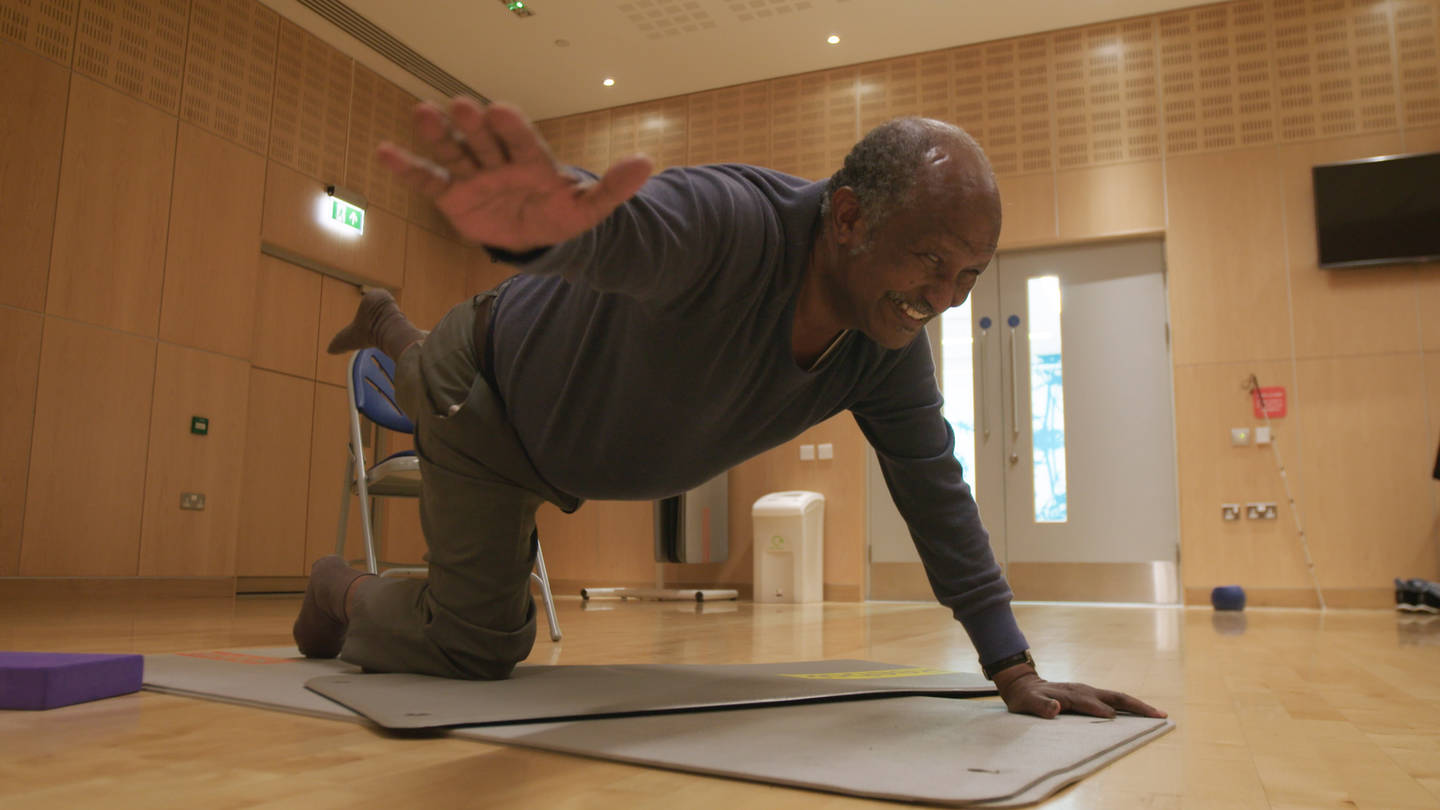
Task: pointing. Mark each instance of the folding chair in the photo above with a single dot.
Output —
(370, 385)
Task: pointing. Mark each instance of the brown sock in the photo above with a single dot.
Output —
(380, 323)
(320, 628)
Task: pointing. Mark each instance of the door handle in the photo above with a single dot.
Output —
(1014, 322)
(984, 367)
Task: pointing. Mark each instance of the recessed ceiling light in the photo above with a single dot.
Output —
(833, 39)
(609, 82)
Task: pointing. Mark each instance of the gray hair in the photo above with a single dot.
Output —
(883, 167)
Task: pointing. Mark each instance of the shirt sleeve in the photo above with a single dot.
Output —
(902, 419)
(666, 243)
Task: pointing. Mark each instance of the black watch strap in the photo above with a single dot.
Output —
(993, 669)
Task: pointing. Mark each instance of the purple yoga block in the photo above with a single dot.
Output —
(30, 680)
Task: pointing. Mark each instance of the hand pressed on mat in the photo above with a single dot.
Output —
(1025, 692)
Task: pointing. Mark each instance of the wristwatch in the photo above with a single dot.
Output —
(1003, 664)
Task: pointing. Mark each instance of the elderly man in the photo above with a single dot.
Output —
(662, 330)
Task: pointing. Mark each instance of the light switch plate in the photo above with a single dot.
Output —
(1262, 435)
(807, 452)
(1240, 437)
(825, 452)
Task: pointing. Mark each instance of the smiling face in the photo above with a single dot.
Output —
(889, 281)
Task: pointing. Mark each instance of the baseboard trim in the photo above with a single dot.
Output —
(1343, 598)
(259, 585)
(119, 587)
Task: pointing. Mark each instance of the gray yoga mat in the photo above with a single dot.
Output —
(918, 749)
(543, 693)
(914, 749)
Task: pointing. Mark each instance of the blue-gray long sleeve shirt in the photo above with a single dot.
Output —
(653, 352)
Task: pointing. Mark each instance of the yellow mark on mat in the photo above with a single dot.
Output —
(913, 672)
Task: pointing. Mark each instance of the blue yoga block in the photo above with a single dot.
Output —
(30, 680)
(1228, 597)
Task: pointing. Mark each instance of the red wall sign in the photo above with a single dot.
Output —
(1274, 402)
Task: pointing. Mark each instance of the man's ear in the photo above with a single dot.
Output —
(845, 216)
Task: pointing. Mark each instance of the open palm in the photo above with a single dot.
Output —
(496, 181)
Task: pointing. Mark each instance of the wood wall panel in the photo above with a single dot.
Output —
(657, 129)
(1342, 312)
(135, 46)
(1367, 497)
(185, 543)
(290, 221)
(32, 128)
(287, 319)
(275, 485)
(20, 368)
(797, 124)
(311, 120)
(379, 111)
(729, 126)
(1113, 199)
(1217, 76)
(1226, 254)
(1427, 282)
(1019, 81)
(401, 541)
(329, 439)
(1417, 42)
(1028, 203)
(1209, 400)
(48, 29)
(1334, 68)
(1107, 102)
(213, 255)
(966, 88)
(230, 70)
(583, 141)
(111, 214)
(338, 302)
(888, 90)
(436, 276)
(88, 456)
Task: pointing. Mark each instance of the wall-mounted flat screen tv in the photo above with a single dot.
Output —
(1382, 210)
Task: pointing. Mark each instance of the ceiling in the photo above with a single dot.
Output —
(659, 48)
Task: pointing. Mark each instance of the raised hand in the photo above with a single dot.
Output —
(1025, 692)
(496, 181)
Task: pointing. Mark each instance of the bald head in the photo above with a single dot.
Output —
(914, 161)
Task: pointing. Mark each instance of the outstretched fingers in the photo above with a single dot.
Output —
(472, 125)
(1126, 703)
(619, 184)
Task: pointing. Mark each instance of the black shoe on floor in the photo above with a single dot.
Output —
(1408, 594)
(1430, 597)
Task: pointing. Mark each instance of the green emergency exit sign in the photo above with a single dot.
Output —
(347, 215)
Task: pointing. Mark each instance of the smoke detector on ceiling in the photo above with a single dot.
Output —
(519, 8)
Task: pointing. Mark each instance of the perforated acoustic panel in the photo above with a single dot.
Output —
(730, 125)
(1334, 68)
(230, 70)
(135, 46)
(311, 117)
(1107, 103)
(657, 129)
(797, 125)
(379, 111)
(584, 140)
(1217, 77)
(1417, 39)
(1018, 135)
(46, 26)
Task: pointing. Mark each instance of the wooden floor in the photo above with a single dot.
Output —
(1284, 709)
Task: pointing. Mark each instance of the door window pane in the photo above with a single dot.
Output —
(1047, 399)
(957, 373)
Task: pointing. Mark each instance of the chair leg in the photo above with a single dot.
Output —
(544, 580)
(365, 523)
